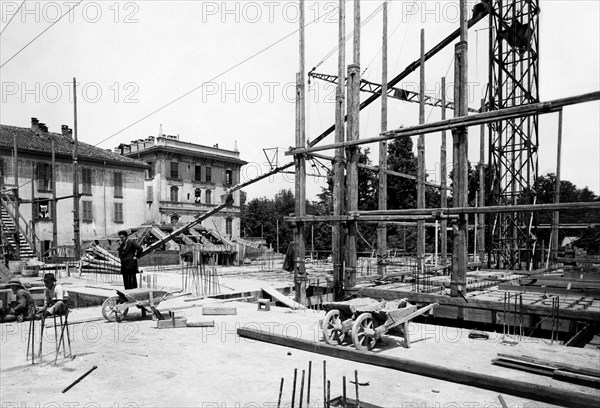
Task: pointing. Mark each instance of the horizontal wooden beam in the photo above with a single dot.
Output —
(542, 393)
(589, 205)
(376, 169)
(461, 121)
(550, 290)
(424, 298)
(361, 218)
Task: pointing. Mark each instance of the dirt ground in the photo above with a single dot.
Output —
(139, 365)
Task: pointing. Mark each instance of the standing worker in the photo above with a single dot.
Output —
(129, 252)
(55, 297)
(25, 308)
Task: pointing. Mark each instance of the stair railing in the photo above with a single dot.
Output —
(26, 232)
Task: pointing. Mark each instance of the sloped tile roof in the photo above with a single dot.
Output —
(28, 140)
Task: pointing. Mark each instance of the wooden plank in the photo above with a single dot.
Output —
(281, 298)
(542, 393)
(551, 290)
(588, 380)
(413, 297)
(201, 324)
(530, 368)
(171, 323)
(553, 363)
(219, 310)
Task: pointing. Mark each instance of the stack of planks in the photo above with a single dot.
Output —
(589, 376)
(99, 260)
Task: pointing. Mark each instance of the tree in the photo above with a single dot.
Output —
(401, 192)
(260, 216)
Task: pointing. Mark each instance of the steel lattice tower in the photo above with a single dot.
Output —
(513, 144)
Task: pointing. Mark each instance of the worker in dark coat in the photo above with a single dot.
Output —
(25, 308)
(129, 252)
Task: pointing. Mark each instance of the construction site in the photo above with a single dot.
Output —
(497, 306)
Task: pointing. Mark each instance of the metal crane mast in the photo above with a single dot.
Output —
(513, 144)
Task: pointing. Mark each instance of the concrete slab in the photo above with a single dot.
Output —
(141, 366)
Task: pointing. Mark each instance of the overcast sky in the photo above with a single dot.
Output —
(131, 58)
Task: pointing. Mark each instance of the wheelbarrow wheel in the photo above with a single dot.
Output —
(363, 332)
(333, 332)
(110, 313)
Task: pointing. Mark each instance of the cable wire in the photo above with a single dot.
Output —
(13, 16)
(40, 34)
(209, 81)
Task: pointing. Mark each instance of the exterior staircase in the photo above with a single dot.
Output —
(8, 232)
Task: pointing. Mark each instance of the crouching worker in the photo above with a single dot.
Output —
(55, 297)
(25, 307)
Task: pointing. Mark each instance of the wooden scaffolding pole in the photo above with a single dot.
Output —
(76, 236)
(300, 196)
(53, 212)
(382, 205)
(338, 165)
(556, 214)
(352, 152)
(443, 181)
(16, 195)
(460, 151)
(481, 202)
(421, 159)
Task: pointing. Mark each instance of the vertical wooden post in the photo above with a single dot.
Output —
(382, 205)
(556, 214)
(460, 149)
(443, 182)
(16, 194)
(53, 211)
(76, 236)
(481, 202)
(338, 165)
(33, 204)
(352, 152)
(421, 160)
(300, 196)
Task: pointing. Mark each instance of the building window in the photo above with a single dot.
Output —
(150, 194)
(86, 181)
(198, 173)
(43, 210)
(150, 171)
(118, 212)
(208, 197)
(229, 226)
(118, 178)
(44, 176)
(86, 211)
(174, 193)
(228, 177)
(174, 170)
(197, 195)
(208, 175)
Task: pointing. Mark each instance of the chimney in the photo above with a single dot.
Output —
(35, 125)
(43, 128)
(66, 131)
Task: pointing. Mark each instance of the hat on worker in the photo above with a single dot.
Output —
(49, 277)
(15, 282)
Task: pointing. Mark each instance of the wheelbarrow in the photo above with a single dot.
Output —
(115, 308)
(368, 322)
(340, 317)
